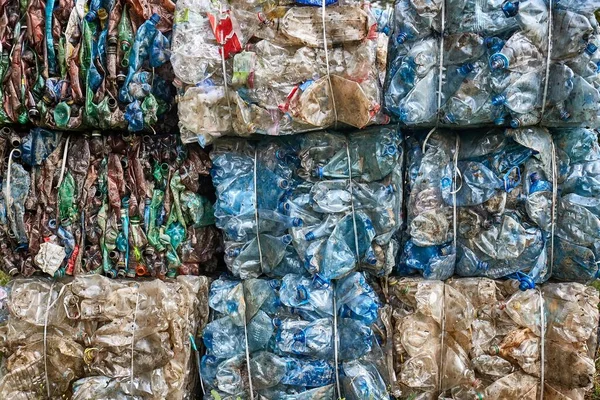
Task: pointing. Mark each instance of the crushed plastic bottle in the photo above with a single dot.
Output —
(258, 68)
(288, 326)
(473, 338)
(502, 191)
(287, 205)
(117, 205)
(484, 41)
(89, 337)
(576, 251)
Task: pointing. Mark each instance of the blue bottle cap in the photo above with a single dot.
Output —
(310, 236)
(498, 61)
(155, 18)
(510, 9)
(498, 100)
(515, 123)
(319, 172)
(466, 69)
(564, 115)
(449, 118)
(590, 49)
(286, 239)
(297, 222)
(401, 38)
(283, 183)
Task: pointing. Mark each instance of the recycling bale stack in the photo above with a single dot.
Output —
(98, 337)
(118, 206)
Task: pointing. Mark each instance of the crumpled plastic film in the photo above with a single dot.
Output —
(288, 205)
(288, 326)
(116, 205)
(93, 324)
(245, 68)
(502, 190)
(577, 251)
(475, 338)
(87, 64)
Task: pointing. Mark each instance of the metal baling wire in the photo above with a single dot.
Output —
(7, 195)
(548, 58)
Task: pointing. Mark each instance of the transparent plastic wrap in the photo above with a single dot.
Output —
(283, 339)
(277, 68)
(497, 62)
(494, 190)
(94, 337)
(321, 202)
(84, 64)
(577, 242)
(116, 205)
(475, 338)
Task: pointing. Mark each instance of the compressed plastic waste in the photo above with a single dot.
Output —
(117, 205)
(576, 251)
(321, 202)
(245, 68)
(484, 63)
(283, 339)
(489, 193)
(97, 338)
(87, 64)
(475, 338)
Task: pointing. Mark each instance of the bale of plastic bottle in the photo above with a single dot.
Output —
(245, 68)
(475, 338)
(116, 205)
(484, 63)
(577, 233)
(283, 339)
(87, 64)
(321, 203)
(574, 76)
(493, 189)
(94, 337)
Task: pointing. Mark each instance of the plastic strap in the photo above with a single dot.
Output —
(335, 343)
(224, 70)
(335, 114)
(542, 344)
(554, 205)
(260, 255)
(137, 300)
(248, 356)
(8, 196)
(455, 190)
(45, 339)
(548, 59)
(48, 307)
(441, 66)
(351, 187)
(64, 162)
(442, 337)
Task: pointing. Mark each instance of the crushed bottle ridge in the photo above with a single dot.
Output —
(117, 205)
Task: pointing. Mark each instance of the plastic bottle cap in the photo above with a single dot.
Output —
(591, 48)
(499, 100)
(286, 239)
(450, 118)
(515, 123)
(319, 172)
(500, 121)
(297, 222)
(565, 115)
(155, 18)
(510, 9)
(402, 36)
(498, 61)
